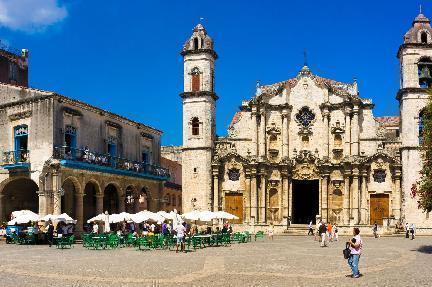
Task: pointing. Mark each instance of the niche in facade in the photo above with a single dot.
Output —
(234, 174)
(379, 175)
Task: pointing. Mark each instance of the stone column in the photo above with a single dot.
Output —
(262, 135)
(79, 211)
(290, 207)
(122, 203)
(136, 204)
(320, 197)
(2, 211)
(396, 206)
(285, 134)
(347, 147)
(326, 117)
(56, 191)
(99, 203)
(346, 200)
(216, 199)
(262, 198)
(324, 196)
(254, 195)
(355, 132)
(285, 203)
(363, 202)
(42, 203)
(355, 197)
(254, 116)
(247, 199)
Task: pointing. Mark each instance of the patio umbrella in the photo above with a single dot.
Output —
(225, 215)
(64, 217)
(146, 215)
(116, 218)
(24, 216)
(99, 217)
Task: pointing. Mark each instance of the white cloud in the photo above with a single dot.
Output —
(30, 15)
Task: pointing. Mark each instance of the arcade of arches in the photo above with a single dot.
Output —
(80, 194)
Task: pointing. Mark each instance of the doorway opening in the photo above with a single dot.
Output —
(305, 201)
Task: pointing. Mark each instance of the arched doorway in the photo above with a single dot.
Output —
(68, 201)
(144, 199)
(18, 194)
(111, 199)
(89, 200)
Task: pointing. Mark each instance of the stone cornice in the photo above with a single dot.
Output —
(404, 91)
(199, 51)
(413, 46)
(199, 94)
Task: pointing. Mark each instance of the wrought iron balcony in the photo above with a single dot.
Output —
(107, 161)
(16, 159)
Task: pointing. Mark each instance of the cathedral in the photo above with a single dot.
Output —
(307, 148)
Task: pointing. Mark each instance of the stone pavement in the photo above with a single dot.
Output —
(285, 261)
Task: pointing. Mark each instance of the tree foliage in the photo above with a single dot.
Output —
(424, 189)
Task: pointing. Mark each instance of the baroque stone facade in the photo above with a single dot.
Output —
(305, 148)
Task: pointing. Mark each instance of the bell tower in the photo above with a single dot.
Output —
(415, 56)
(199, 103)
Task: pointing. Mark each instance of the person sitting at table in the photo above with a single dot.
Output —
(193, 230)
(59, 229)
(209, 229)
(217, 231)
(224, 229)
(95, 228)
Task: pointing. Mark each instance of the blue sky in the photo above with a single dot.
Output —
(123, 56)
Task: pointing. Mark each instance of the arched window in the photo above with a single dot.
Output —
(195, 43)
(195, 79)
(424, 72)
(423, 38)
(195, 126)
(421, 127)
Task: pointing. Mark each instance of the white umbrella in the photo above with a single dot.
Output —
(24, 218)
(225, 215)
(99, 217)
(195, 215)
(116, 218)
(61, 217)
(207, 216)
(145, 215)
(192, 215)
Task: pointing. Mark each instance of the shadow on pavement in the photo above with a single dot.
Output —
(425, 249)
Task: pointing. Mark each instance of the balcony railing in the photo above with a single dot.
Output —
(15, 157)
(106, 160)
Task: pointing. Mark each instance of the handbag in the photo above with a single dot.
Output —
(346, 252)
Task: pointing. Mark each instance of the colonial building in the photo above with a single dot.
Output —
(63, 155)
(172, 191)
(305, 148)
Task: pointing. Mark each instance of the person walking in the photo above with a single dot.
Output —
(356, 248)
(317, 230)
(412, 230)
(375, 230)
(180, 230)
(50, 233)
(329, 231)
(310, 232)
(270, 231)
(336, 235)
(406, 230)
(322, 232)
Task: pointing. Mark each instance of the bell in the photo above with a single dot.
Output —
(425, 74)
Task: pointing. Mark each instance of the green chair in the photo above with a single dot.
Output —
(259, 235)
(142, 243)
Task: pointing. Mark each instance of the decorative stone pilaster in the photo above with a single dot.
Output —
(79, 211)
(42, 203)
(99, 203)
(254, 115)
(346, 199)
(56, 193)
(355, 196)
(363, 201)
(326, 123)
(262, 197)
(285, 134)
(397, 203)
(216, 196)
(355, 131)
(347, 147)
(262, 136)
(122, 203)
(247, 198)
(254, 195)
(324, 196)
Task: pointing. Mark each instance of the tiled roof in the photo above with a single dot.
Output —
(235, 119)
(388, 121)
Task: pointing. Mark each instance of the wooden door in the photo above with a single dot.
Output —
(379, 208)
(234, 205)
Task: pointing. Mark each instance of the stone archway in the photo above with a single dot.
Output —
(17, 194)
(70, 188)
(131, 199)
(91, 191)
(111, 199)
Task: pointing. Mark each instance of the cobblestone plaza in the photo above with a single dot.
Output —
(285, 261)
